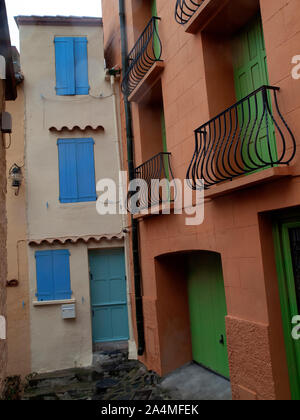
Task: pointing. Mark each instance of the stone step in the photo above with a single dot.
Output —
(105, 359)
(74, 391)
(60, 378)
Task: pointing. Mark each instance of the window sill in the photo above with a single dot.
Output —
(248, 181)
(80, 204)
(54, 302)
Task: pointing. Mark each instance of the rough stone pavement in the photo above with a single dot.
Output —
(113, 377)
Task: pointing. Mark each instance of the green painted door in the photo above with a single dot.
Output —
(287, 247)
(164, 143)
(208, 310)
(156, 42)
(153, 8)
(250, 73)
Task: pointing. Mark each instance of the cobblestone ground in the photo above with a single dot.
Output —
(113, 377)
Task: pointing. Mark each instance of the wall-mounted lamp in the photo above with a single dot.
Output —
(16, 177)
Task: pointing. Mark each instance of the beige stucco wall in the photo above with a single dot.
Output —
(18, 333)
(57, 344)
(46, 216)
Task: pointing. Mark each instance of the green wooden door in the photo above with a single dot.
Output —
(250, 73)
(287, 247)
(164, 143)
(156, 42)
(208, 310)
(153, 8)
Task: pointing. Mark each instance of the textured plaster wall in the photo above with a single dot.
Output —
(249, 362)
(46, 216)
(3, 257)
(18, 304)
(58, 344)
(231, 225)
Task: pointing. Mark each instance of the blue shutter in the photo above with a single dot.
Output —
(65, 66)
(44, 276)
(67, 170)
(86, 170)
(61, 275)
(81, 66)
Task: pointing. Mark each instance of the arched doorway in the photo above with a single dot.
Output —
(191, 310)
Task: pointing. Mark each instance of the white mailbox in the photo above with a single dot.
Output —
(68, 311)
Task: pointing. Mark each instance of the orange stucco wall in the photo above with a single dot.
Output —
(233, 224)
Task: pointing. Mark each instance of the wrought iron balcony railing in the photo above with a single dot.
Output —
(242, 140)
(154, 191)
(141, 58)
(185, 10)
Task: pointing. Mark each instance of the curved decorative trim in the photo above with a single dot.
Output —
(75, 239)
(76, 127)
(152, 194)
(185, 10)
(146, 52)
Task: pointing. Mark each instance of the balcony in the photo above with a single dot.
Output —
(185, 10)
(223, 17)
(249, 138)
(152, 192)
(143, 58)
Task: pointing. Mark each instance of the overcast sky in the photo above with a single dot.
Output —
(48, 7)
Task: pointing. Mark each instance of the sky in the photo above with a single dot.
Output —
(48, 7)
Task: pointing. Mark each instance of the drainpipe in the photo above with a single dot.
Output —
(135, 226)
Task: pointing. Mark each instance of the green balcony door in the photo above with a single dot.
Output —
(250, 73)
(287, 247)
(208, 310)
(156, 43)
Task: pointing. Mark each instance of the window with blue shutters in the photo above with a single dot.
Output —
(71, 61)
(53, 275)
(76, 170)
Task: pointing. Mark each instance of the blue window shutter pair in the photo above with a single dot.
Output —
(71, 66)
(53, 275)
(76, 170)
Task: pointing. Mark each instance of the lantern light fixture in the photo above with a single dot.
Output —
(16, 177)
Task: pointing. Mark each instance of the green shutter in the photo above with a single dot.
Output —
(250, 73)
(156, 42)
